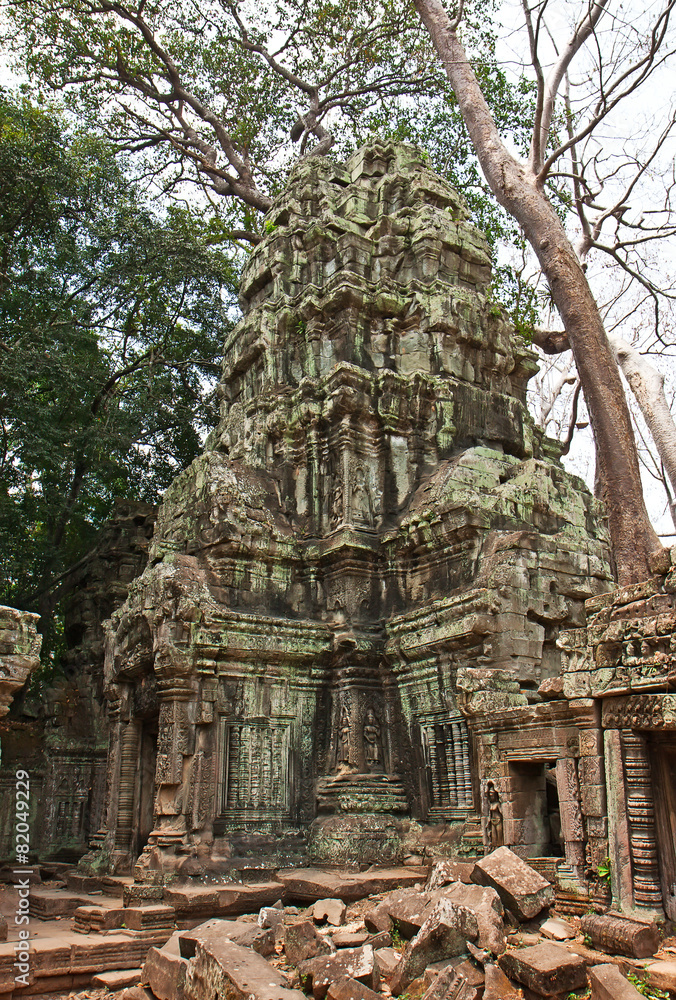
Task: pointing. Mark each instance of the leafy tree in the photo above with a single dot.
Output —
(112, 318)
(227, 95)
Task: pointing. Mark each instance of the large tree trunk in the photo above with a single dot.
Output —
(647, 384)
(636, 547)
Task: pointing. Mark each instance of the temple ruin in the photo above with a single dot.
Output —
(376, 615)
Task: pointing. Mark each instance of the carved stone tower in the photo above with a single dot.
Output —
(375, 529)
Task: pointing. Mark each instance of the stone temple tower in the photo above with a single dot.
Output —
(375, 531)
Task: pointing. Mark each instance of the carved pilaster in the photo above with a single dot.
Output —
(641, 817)
(129, 753)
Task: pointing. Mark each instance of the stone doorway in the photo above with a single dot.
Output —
(536, 819)
(663, 766)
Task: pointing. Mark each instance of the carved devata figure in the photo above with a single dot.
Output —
(494, 825)
(344, 737)
(373, 750)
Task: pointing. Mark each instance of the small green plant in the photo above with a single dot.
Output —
(645, 989)
(603, 870)
(587, 940)
(269, 226)
(397, 940)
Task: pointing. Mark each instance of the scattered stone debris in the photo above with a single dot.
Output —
(447, 939)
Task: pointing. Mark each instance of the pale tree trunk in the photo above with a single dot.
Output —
(647, 384)
(636, 548)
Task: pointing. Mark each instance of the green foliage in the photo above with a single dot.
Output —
(645, 989)
(604, 870)
(111, 324)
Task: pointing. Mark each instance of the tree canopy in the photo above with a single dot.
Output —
(112, 316)
(224, 96)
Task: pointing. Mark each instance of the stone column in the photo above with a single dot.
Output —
(130, 736)
(175, 743)
(641, 818)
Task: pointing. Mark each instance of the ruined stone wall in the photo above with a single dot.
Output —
(622, 663)
(374, 533)
(19, 656)
(59, 731)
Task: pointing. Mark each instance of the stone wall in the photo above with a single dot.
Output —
(623, 665)
(59, 731)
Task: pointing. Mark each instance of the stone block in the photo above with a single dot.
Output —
(557, 929)
(301, 941)
(165, 969)
(330, 911)
(522, 890)
(593, 799)
(591, 770)
(383, 939)
(350, 989)
(662, 975)
(546, 968)
(485, 903)
(352, 939)
(445, 872)
(224, 969)
(270, 916)
(359, 963)
(443, 935)
(498, 987)
(241, 932)
(388, 960)
(408, 913)
(608, 983)
(452, 985)
(117, 979)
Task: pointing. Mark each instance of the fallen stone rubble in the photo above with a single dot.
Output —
(481, 931)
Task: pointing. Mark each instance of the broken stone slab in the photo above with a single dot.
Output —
(520, 887)
(117, 979)
(445, 872)
(329, 911)
(662, 975)
(223, 969)
(487, 906)
(230, 899)
(307, 885)
(354, 963)
(46, 904)
(353, 939)
(545, 968)
(443, 935)
(452, 985)
(498, 987)
(301, 942)
(241, 932)
(270, 916)
(621, 935)
(383, 939)
(388, 960)
(608, 983)
(557, 929)
(165, 970)
(350, 989)
(408, 913)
